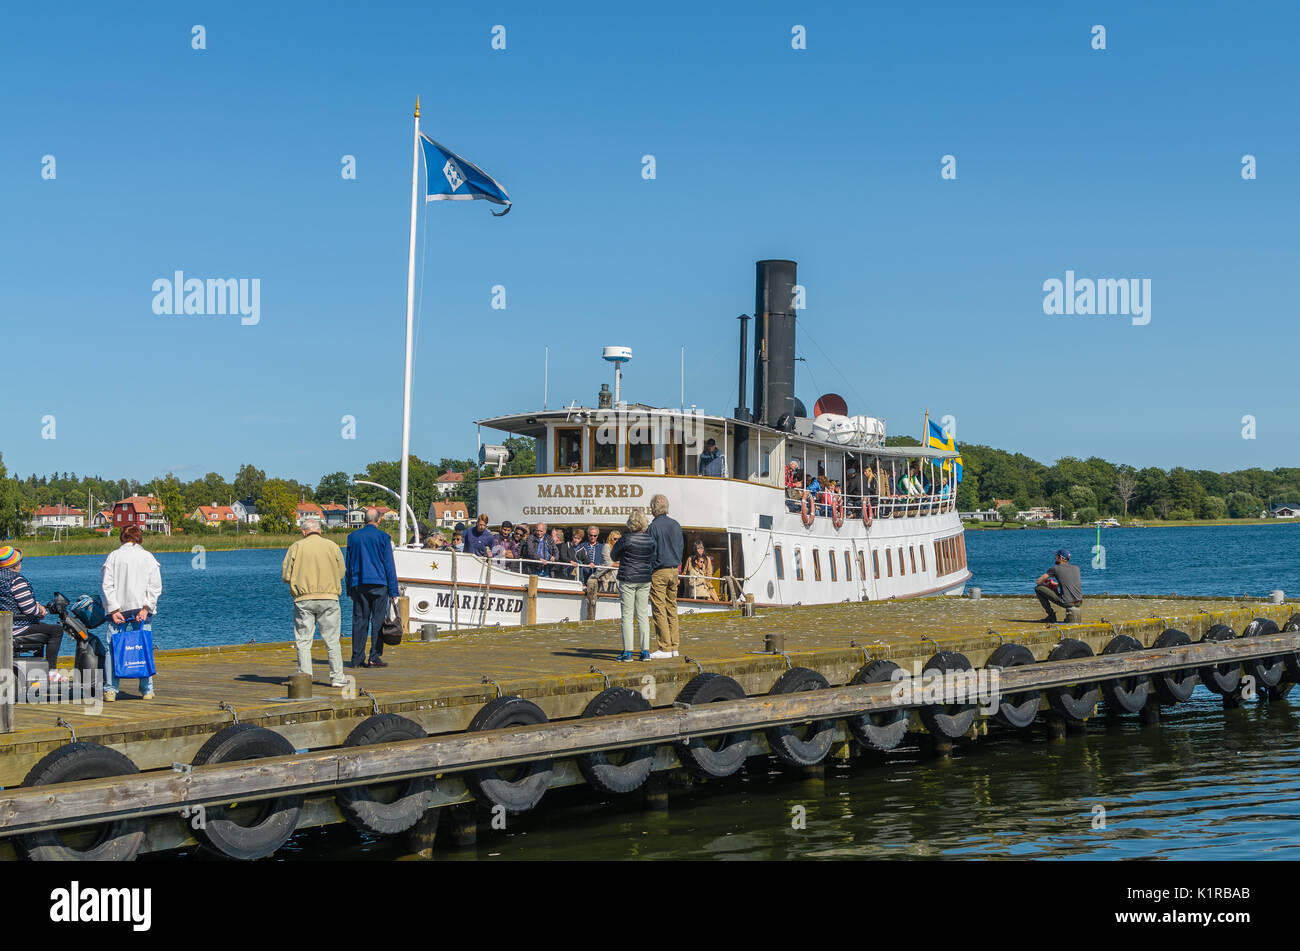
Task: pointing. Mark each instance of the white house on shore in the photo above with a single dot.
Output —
(1286, 511)
(58, 516)
(449, 482)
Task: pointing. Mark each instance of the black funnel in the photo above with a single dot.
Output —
(774, 290)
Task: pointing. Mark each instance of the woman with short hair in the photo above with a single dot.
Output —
(635, 554)
(132, 584)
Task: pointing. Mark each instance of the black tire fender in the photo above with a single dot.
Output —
(953, 719)
(1073, 701)
(713, 757)
(1015, 710)
(617, 771)
(525, 789)
(371, 808)
(786, 741)
(1173, 686)
(1223, 679)
(1126, 694)
(1292, 660)
(884, 729)
(117, 841)
(276, 819)
(1267, 671)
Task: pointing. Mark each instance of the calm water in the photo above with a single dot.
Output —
(1207, 783)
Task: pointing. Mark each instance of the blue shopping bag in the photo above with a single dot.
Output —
(133, 650)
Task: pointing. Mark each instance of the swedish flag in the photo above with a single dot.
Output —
(940, 438)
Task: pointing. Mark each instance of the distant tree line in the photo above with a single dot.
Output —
(276, 498)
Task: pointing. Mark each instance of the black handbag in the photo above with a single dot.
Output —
(391, 630)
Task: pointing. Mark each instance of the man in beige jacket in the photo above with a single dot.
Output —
(313, 567)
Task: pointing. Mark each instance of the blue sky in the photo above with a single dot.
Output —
(225, 162)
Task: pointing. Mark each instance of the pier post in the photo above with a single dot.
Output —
(530, 601)
(419, 838)
(1076, 727)
(8, 686)
(1149, 715)
(940, 746)
(656, 793)
(1055, 724)
(462, 823)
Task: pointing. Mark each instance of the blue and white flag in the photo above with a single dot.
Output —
(448, 176)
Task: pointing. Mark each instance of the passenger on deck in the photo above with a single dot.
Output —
(712, 462)
(609, 574)
(457, 541)
(698, 572)
(479, 539)
(563, 555)
(538, 551)
(793, 486)
(1064, 576)
(586, 551)
(853, 489)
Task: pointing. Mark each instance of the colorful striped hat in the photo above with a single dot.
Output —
(9, 556)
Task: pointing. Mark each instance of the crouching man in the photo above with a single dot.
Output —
(1061, 585)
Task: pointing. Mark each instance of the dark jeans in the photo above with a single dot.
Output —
(49, 636)
(369, 608)
(1047, 597)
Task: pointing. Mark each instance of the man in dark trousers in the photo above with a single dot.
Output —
(1066, 577)
(667, 534)
(372, 580)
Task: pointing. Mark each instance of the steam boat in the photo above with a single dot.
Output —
(766, 538)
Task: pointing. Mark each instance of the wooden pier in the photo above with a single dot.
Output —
(442, 685)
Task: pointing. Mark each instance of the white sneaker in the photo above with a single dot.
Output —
(675, 654)
(661, 655)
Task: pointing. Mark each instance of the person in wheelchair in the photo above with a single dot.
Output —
(31, 635)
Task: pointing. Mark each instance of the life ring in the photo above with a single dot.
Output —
(1223, 679)
(1073, 701)
(1126, 694)
(364, 806)
(118, 841)
(1267, 671)
(837, 513)
(617, 771)
(525, 789)
(806, 511)
(1174, 686)
(805, 744)
(727, 753)
(1016, 710)
(866, 513)
(881, 730)
(274, 819)
(953, 719)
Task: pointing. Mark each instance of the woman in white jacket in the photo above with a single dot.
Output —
(132, 585)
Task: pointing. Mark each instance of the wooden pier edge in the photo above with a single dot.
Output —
(9, 683)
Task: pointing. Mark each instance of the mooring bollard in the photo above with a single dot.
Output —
(1074, 615)
(747, 607)
(299, 686)
(974, 594)
(773, 643)
(420, 837)
(428, 632)
(1277, 596)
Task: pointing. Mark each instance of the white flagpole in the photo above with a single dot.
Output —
(410, 323)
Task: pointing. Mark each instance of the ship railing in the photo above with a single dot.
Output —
(886, 506)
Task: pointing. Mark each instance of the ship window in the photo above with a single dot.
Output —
(938, 559)
(875, 562)
(901, 569)
(817, 565)
(780, 563)
(798, 565)
(604, 449)
(640, 448)
(848, 566)
(961, 543)
(830, 560)
(889, 563)
(912, 553)
(674, 451)
(568, 450)
(862, 568)
(923, 568)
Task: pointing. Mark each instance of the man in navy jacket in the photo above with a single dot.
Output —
(371, 581)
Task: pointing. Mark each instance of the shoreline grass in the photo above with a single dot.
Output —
(162, 543)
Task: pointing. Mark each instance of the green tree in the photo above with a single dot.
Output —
(968, 491)
(1242, 505)
(277, 508)
(335, 487)
(10, 503)
(168, 492)
(1212, 506)
(1087, 515)
(1008, 513)
(248, 482)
